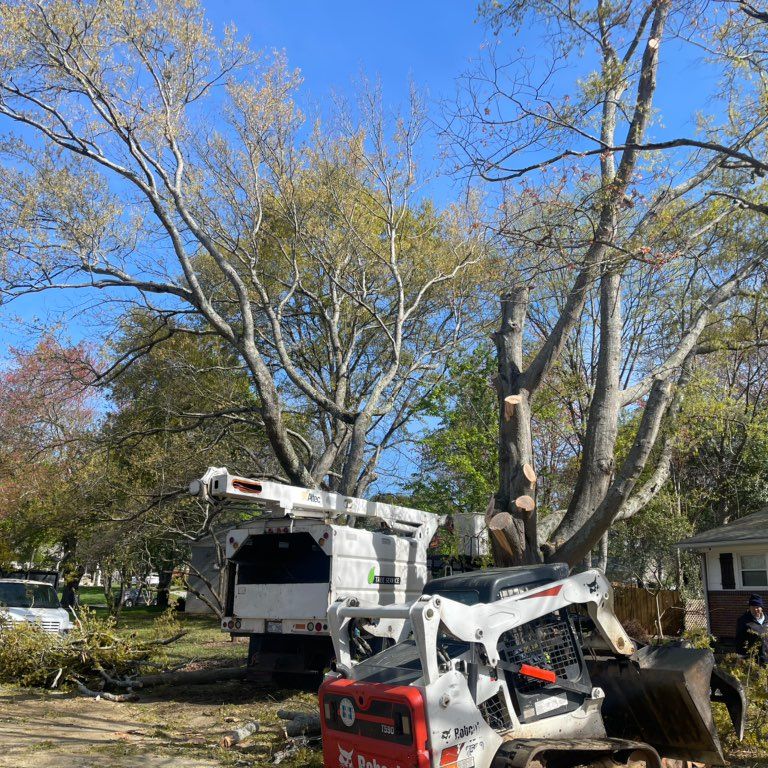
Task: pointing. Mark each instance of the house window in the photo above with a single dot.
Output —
(753, 571)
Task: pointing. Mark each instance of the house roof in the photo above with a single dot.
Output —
(752, 529)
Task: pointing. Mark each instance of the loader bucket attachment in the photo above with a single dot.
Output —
(661, 696)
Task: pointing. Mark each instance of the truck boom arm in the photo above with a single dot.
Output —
(219, 486)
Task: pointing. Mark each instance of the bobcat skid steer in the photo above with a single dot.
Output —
(491, 670)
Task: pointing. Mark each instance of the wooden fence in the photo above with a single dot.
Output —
(634, 604)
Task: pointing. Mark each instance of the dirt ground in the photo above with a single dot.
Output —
(171, 728)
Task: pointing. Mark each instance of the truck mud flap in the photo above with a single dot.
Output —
(661, 696)
(289, 661)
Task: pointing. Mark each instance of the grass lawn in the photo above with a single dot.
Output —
(203, 645)
(93, 597)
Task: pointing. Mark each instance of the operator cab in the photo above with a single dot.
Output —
(494, 584)
(548, 644)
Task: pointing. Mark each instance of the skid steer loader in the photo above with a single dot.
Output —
(493, 669)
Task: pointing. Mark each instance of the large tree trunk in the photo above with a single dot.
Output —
(164, 586)
(516, 544)
(597, 466)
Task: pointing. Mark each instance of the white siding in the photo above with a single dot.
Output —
(714, 577)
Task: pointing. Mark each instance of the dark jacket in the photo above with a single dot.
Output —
(751, 635)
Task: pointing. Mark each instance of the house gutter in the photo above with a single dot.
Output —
(703, 546)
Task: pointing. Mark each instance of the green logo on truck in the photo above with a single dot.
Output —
(374, 579)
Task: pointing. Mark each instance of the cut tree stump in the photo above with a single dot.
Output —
(500, 521)
(526, 503)
(490, 509)
(510, 401)
(530, 473)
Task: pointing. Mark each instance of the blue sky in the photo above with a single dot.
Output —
(427, 42)
(334, 44)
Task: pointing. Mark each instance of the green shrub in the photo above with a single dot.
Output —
(29, 656)
(754, 678)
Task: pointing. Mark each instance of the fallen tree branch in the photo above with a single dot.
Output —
(193, 677)
(293, 747)
(58, 676)
(169, 640)
(117, 682)
(118, 697)
(300, 723)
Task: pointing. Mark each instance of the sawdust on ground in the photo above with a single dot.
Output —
(170, 728)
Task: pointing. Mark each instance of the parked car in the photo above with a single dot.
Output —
(139, 596)
(34, 602)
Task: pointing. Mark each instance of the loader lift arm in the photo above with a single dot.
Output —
(484, 623)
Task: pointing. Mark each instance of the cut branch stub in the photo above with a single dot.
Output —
(526, 503)
(490, 509)
(530, 473)
(510, 401)
(500, 522)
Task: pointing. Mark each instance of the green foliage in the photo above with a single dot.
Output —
(698, 637)
(754, 678)
(29, 656)
(643, 546)
(458, 469)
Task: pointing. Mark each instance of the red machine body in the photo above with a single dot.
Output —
(373, 725)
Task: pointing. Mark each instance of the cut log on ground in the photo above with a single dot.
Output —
(300, 723)
(239, 734)
(192, 678)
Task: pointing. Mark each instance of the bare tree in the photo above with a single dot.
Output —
(156, 162)
(623, 265)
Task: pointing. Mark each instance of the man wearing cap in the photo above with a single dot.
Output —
(752, 631)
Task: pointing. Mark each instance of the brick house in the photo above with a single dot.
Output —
(734, 564)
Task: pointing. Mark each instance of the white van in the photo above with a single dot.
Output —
(32, 601)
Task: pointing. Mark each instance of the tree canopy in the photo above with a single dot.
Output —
(282, 295)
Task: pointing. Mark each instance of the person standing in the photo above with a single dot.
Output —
(752, 631)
